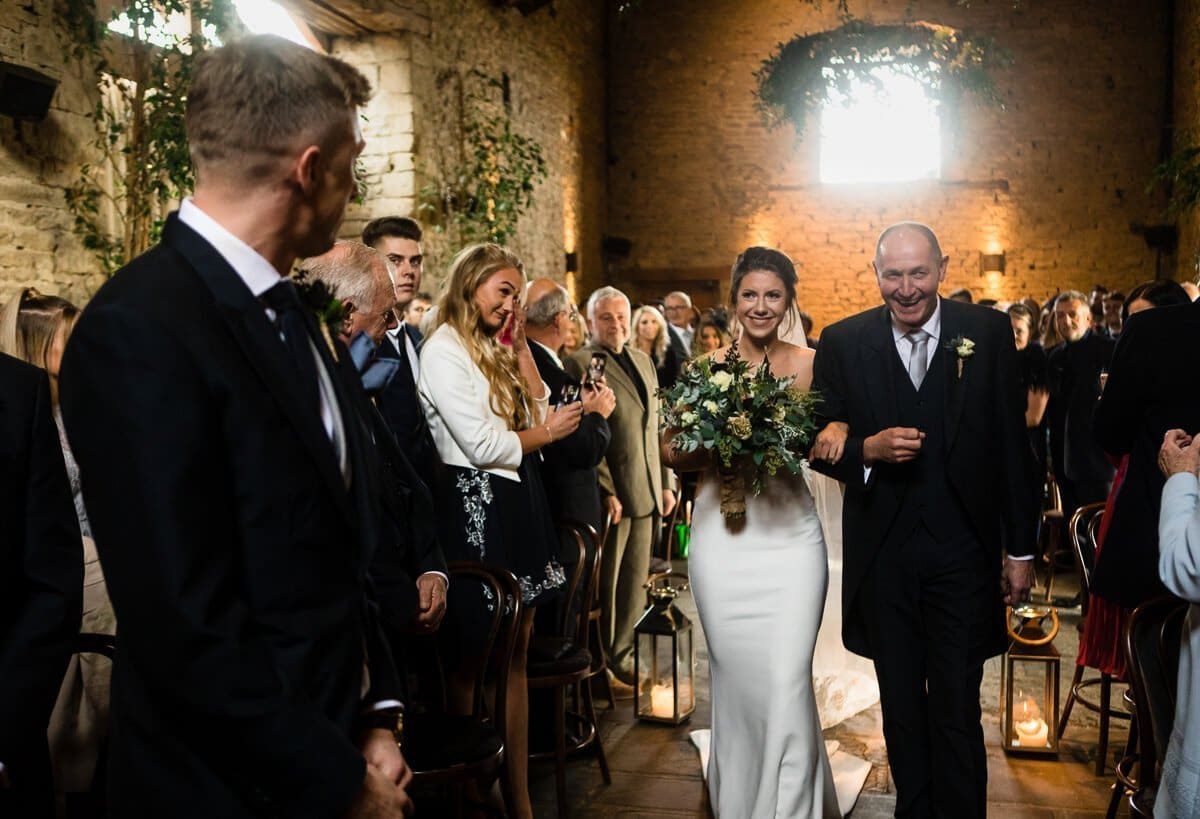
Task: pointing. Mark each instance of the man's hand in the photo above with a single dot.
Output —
(380, 797)
(1016, 580)
(599, 399)
(1179, 453)
(894, 445)
(431, 600)
(668, 503)
(613, 507)
(382, 752)
(831, 442)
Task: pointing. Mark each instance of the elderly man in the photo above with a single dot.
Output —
(632, 471)
(1083, 474)
(929, 390)
(231, 483)
(677, 306)
(360, 278)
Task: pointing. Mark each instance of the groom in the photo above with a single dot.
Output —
(938, 485)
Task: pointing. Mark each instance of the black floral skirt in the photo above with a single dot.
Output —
(501, 523)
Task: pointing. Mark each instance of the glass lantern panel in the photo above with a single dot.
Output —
(1034, 711)
(685, 659)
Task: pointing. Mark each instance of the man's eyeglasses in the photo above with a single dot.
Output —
(675, 308)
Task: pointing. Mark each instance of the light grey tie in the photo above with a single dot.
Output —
(918, 361)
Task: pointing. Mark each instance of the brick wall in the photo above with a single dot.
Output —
(38, 160)
(1187, 122)
(553, 59)
(1055, 179)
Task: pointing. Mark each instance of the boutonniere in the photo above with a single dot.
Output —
(963, 348)
(327, 308)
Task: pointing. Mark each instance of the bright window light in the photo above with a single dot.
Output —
(885, 133)
(267, 17)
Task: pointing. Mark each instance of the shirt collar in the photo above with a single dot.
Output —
(933, 326)
(553, 355)
(257, 273)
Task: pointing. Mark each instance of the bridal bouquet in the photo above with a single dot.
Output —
(751, 423)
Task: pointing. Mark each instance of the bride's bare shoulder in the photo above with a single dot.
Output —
(797, 363)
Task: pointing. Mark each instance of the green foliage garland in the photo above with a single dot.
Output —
(142, 167)
(797, 79)
(478, 193)
(1180, 173)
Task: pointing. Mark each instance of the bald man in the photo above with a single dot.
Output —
(939, 481)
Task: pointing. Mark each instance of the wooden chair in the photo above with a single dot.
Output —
(599, 667)
(443, 748)
(564, 660)
(1084, 525)
(1050, 532)
(1152, 652)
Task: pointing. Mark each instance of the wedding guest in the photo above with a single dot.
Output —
(1144, 396)
(681, 315)
(35, 328)
(416, 309)
(711, 336)
(570, 465)
(1179, 568)
(41, 585)
(575, 338)
(632, 471)
(408, 570)
(1031, 359)
(1192, 289)
(489, 411)
(1082, 472)
(1048, 327)
(961, 294)
(806, 324)
(651, 336)
(223, 464)
(1114, 312)
(399, 239)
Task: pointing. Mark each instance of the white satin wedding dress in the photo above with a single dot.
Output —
(759, 586)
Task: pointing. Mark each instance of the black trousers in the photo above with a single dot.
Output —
(930, 615)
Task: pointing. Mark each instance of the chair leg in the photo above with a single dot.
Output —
(1102, 746)
(1066, 714)
(590, 709)
(1118, 786)
(560, 748)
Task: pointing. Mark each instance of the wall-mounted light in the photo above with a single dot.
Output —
(992, 263)
(572, 262)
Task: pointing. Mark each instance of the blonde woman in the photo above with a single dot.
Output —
(35, 327)
(488, 410)
(650, 335)
(576, 338)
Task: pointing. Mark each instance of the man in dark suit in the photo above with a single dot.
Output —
(231, 485)
(1082, 472)
(929, 390)
(41, 585)
(674, 358)
(399, 239)
(1150, 390)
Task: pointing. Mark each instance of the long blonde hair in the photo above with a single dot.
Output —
(659, 348)
(29, 323)
(473, 266)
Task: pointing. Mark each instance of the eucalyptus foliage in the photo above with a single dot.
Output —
(802, 75)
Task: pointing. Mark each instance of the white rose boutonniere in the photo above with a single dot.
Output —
(964, 348)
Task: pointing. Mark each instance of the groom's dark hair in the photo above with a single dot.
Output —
(765, 259)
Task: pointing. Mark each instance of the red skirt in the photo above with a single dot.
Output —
(1104, 626)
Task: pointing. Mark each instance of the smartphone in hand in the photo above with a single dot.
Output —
(595, 370)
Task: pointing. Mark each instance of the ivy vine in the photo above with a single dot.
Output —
(141, 166)
(802, 75)
(484, 179)
(1180, 174)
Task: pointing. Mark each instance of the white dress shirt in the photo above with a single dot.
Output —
(259, 276)
(456, 399)
(402, 341)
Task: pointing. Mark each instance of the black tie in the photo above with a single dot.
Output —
(289, 320)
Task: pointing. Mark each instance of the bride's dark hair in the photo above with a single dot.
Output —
(767, 259)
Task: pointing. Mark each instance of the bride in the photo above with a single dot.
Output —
(759, 584)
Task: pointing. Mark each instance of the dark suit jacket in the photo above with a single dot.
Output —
(401, 408)
(1073, 371)
(984, 425)
(673, 359)
(234, 552)
(41, 573)
(1151, 389)
(569, 465)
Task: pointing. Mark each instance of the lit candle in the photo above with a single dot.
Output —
(662, 701)
(1033, 733)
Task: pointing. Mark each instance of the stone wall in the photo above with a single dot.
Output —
(1055, 179)
(1187, 123)
(553, 59)
(38, 160)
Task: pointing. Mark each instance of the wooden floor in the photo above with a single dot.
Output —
(656, 772)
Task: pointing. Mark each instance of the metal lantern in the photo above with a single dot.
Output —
(1029, 683)
(664, 657)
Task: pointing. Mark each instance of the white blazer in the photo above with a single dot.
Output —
(455, 398)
